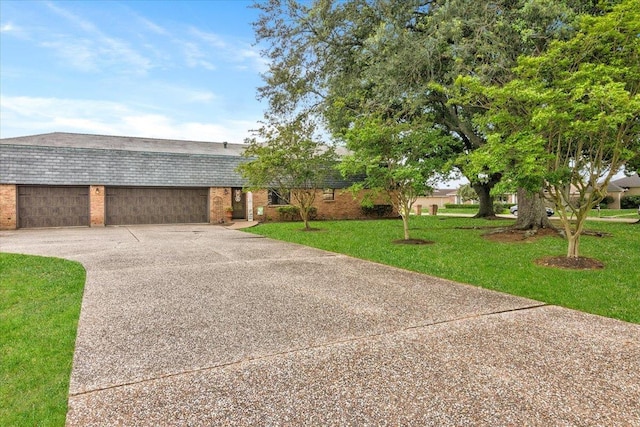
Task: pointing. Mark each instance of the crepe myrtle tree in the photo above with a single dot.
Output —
(571, 117)
(467, 193)
(396, 159)
(287, 156)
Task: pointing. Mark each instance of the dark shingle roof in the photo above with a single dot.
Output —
(126, 143)
(632, 181)
(78, 159)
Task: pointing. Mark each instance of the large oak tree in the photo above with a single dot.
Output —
(399, 58)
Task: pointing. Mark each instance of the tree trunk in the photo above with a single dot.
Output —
(532, 213)
(304, 215)
(405, 225)
(574, 245)
(483, 189)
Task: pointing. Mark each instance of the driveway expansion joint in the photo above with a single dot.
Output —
(293, 351)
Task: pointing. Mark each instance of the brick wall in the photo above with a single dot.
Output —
(8, 208)
(96, 205)
(260, 201)
(218, 200)
(343, 206)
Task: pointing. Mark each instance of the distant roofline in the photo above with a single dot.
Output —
(102, 135)
(125, 143)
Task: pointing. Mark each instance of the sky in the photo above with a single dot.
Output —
(159, 69)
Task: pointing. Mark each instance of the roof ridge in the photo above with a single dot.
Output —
(147, 138)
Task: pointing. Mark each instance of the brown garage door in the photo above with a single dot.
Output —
(50, 206)
(150, 205)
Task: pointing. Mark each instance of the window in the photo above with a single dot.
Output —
(275, 198)
(328, 194)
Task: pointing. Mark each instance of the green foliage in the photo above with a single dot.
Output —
(395, 158)
(569, 117)
(377, 211)
(606, 202)
(505, 267)
(460, 206)
(467, 193)
(368, 68)
(292, 213)
(289, 158)
(499, 207)
(630, 202)
(39, 308)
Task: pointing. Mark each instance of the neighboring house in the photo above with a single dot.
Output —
(443, 196)
(630, 184)
(617, 193)
(439, 197)
(619, 188)
(67, 179)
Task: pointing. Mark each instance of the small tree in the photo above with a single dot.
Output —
(571, 117)
(467, 193)
(396, 159)
(291, 161)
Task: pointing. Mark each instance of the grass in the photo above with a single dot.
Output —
(603, 213)
(614, 213)
(463, 255)
(40, 302)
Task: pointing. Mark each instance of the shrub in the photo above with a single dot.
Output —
(499, 207)
(458, 206)
(604, 204)
(630, 202)
(292, 213)
(377, 210)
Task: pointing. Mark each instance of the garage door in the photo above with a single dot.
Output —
(49, 206)
(144, 205)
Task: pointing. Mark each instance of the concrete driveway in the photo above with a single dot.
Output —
(198, 325)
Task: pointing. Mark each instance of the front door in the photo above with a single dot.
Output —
(239, 203)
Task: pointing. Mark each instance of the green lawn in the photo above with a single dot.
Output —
(614, 213)
(603, 213)
(40, 302)
(463, 255)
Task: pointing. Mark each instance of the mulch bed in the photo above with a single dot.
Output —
(508, 235)
(413, 242)
(580, 263)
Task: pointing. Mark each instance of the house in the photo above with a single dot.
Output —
(617, 193)
(620, 188)
(630, 184)
(67, 179)
(439, 197)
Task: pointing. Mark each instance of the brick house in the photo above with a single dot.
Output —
(66, 179)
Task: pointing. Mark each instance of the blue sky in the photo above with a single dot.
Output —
(162, 69)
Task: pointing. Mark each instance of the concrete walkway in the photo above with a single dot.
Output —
(198, 325)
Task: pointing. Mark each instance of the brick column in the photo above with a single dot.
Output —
(8, 207)
(218, 199)
(96, 205)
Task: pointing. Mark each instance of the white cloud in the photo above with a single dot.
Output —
(152, 26)
(79, 53)
(195, 57)
(74, 19)
(214, 40)
(11, 29)
(7, 28)
(27, 115)
(229, 49)
(95, 50)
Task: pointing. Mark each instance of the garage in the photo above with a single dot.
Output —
(155, 205)
(52, 206)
